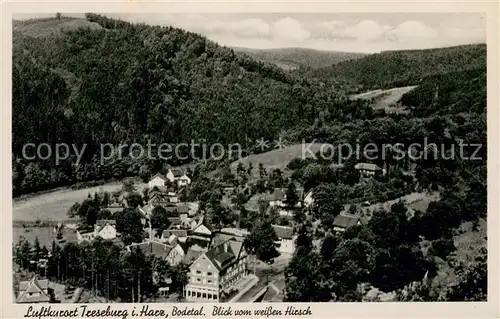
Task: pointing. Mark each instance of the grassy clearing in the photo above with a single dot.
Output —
(41, 28)
(45, 235)
(54, 205)
(386, 99)
(279, 158)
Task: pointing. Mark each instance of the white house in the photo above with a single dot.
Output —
(279, 197)
(184, 180)
(176, 255)
(368, 169)
(286, 239)
(174, 174)
(85, 234)
(106, 229)
(157, 180)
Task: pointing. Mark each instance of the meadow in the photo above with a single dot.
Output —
(54, 206)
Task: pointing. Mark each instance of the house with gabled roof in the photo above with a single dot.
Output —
(85, 233)
(172, 254)
(368, 169)
(279, 200)
(180, 234)
(179, 176)
(343, 221)
(286, 239)
(33, 291)
(106, 229)
(216, 271)
(198, 228)
(157, 180)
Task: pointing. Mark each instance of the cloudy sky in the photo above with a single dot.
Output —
(355, 32)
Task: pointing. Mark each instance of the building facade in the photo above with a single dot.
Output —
(157, 180)
(216, 272)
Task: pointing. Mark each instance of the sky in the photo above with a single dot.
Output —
(350, 32)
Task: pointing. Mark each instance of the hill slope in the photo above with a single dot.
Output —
(293, 58)
(122, 83)
(403, 68)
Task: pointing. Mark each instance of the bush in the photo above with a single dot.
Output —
(442, 248)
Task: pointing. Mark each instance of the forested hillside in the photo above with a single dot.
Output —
(125, 83)
(293, 58)
(402, 68)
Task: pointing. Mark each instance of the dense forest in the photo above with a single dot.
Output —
(294, 58)
(401, 68)
(125, 83)
(122, 83)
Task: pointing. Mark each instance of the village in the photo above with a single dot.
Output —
(218, 264)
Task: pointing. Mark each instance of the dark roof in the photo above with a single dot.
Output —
(85, 229)
(367, 166)
(174, 220)
(158, 197)
(177, 172)
(182, 208)
(220, 238)
(114, 209)
(284, 232)
(225, 254)
(177, 232)
(191, 256)
(103, 222)
(279, 194)
(27, 288)
(345, 221)
(153, 248)
(158, 190)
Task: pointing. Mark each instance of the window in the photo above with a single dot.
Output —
(209, 274)
(198, 280)
(209, 281)
(198, 272)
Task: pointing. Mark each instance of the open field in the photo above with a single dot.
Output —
(45, 235)
(51, 27)
(386, 99)
(54, 205)
(278, 158)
